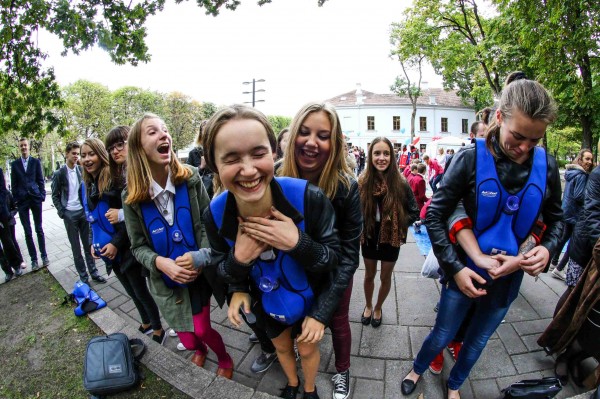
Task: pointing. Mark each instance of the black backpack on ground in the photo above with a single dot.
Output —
(542, 388)
(110, 365)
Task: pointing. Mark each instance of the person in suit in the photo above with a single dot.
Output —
(27, 186)
(66, 183)
(10, 254)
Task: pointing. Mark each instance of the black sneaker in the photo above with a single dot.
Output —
(253, 338)
(341, 385)
(45, 261)
(18, 272)
(8, 277)
(289, 392)
(146, 330)
(99, 279)
(34, 266)
(263, 362)
(159, 339)
(311, 395)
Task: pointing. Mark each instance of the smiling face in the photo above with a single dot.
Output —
(156, 142)
(519, 134)
(90, 160)
(24, 148)
(244, 159)
(587, 161)
(381, 156)
(312, 147)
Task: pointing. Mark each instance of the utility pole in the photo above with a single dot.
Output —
(254, 91)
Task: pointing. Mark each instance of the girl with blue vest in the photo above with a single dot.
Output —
(278, 240)
(128, 270)
(506, 182)
(164, 201)
(316, 152)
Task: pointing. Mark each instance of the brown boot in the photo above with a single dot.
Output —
(198, 359)
(227, 373)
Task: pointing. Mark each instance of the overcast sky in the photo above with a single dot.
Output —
(304, 52)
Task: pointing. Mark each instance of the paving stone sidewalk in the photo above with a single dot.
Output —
(380, 357)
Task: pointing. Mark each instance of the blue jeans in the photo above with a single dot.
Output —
(454, 306)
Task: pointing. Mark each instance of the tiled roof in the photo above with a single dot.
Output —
(442, 98)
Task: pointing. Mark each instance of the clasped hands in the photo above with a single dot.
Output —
(532, 263)
(181, 270)
(256, 235)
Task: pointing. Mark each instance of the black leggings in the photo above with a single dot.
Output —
(136, 287)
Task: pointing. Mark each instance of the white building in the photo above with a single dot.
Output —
(365, 115)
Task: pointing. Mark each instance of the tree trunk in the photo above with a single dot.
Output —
(586, 126)
(413, 116)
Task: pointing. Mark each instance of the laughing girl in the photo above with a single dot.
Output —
(164, 201)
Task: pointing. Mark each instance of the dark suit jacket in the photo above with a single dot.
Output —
(27, 186)
(60, 188)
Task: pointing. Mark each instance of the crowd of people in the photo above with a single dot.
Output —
(273, 226)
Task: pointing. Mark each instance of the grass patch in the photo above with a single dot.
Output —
(42, 345)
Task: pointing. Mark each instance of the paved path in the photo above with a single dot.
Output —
(380, 357)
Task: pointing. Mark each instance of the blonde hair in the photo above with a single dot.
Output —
(336, 169)
(523, 95)
(139, 174)
(103, 183)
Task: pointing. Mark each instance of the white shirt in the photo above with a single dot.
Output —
(163, 198)
(25, 162)
(73, 203)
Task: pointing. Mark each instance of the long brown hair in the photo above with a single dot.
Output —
(335, 170)
(523, 95)
(103, 180)
(395, 199)
(139, 174)
(116, 135)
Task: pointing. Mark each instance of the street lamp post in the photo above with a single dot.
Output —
(254, 91)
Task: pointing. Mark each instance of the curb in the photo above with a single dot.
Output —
(175, 370)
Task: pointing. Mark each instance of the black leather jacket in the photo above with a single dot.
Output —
(587, 228)
(318, 249)
(459, 183)
(349, 223)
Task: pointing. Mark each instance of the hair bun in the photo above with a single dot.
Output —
(514, 76)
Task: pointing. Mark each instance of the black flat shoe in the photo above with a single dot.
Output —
(365, 320)
(376, 322)
(408, 386)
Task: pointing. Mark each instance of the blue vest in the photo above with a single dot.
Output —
(286, 293)
(503, 220)
(102, 230)
(86, 298)
(171, 241)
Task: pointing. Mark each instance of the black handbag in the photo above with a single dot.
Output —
(542, 388)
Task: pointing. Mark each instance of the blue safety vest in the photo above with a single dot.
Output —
(171, 241)
(504, 220)
(102, 230)
(286, 293)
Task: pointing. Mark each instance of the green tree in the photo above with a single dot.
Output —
(564, 40)
(278, 122)
(88, 107)
(130, 103)
(208, 109)
(28, 91)
(181, 116)
(470, 51)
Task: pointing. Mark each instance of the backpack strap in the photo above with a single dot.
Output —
(136, 342)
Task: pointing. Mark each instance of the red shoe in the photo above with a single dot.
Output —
(454, 347)
(437, 364)
(199, 359)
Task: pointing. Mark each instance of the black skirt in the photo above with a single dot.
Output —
(383, 252)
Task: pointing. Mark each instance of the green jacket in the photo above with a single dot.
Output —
(174, 304)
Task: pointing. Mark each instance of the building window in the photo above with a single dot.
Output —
(423, 124)
(370, 123)
(396, 122)
(445, 125)
(465, 126)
